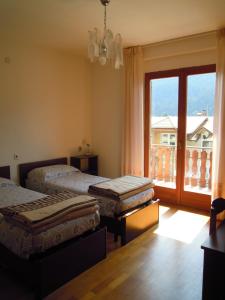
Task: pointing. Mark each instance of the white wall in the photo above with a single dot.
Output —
(107, 91)
(44, 104)
(51, 101)
(107, 108)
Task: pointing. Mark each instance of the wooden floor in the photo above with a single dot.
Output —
(162, 264)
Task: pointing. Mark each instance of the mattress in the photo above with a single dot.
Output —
(24, 244)
(17, 195)
(79, 182)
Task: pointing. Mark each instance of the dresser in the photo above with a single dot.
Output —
(213, 287)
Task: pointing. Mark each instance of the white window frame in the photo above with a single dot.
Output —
(169, 138)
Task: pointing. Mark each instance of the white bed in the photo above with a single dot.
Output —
(48, 270)
(126, 218)
(24, 244)
(57, 178)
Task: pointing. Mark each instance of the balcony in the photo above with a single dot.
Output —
(198, 166)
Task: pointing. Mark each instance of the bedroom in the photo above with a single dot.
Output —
(54, 101)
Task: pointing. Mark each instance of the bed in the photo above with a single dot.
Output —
(47, 263)
(126, 219)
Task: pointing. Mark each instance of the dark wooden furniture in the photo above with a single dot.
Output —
(5, 172)
(217, 206)
(213, 287)
(128, 224)
(47, 271)
(131, 223)
(86, 163)
(50, 270)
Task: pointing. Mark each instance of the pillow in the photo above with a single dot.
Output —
(4, 182)
(50, 172)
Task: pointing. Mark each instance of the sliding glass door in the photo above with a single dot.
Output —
(179, 134)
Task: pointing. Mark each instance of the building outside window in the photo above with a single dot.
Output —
(168, 139)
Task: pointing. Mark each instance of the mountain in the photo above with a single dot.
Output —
(201, 90)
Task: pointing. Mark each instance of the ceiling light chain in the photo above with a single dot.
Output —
(105, 17)
(105, 48)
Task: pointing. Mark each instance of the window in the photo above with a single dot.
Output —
(179, 109)
(207, 144)
(168, 139)
(206, 139)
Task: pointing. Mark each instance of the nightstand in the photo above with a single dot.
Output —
(86, 163)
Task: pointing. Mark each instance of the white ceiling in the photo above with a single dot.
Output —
(65, 23)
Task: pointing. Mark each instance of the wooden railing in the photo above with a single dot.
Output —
(198, 165)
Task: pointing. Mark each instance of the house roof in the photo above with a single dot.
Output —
(209, 125)
(167, 122)
(193, 123)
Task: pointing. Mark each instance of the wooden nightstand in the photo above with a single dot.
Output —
(86, 163)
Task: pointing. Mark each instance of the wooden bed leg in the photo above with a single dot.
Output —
(123, 232)
(117, 230)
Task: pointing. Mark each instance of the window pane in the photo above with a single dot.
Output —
(164, 108)
(199, 132)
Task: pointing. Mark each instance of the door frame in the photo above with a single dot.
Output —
(178, 195)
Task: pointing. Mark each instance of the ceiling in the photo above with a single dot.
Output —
(65, 23)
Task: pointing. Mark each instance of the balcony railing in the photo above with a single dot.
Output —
(198, 167)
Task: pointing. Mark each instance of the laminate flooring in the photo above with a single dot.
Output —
(164, 263)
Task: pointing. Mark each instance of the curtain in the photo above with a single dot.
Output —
(218, 169)
(133, 129)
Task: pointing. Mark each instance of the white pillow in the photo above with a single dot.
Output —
(4, 182)
(50, 172)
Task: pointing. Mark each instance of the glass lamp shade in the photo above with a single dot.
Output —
(105, 49)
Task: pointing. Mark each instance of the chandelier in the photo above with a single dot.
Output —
(105, 48)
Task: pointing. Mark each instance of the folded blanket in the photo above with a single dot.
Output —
(121, 188)
(47, 212)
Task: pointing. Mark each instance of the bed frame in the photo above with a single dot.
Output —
(25, 168)
(48, 271)
(133, 222)
(127, 225)
(5, 172)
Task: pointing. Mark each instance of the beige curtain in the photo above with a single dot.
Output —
(133, 131)
(218, 170)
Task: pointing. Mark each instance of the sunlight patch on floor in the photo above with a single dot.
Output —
(163, 210)
(182, 226)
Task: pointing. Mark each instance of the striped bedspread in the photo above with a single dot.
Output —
(47, 212)
(121, 188)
